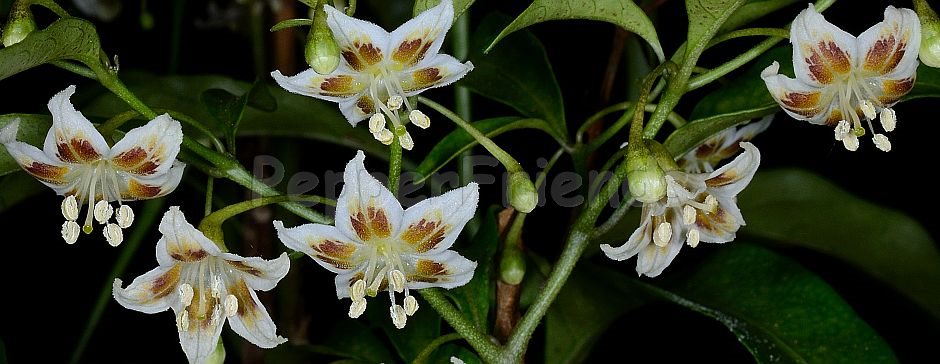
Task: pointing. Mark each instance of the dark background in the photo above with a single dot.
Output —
(50, 287)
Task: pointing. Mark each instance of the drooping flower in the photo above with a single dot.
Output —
(843, 81)
(205, 287)
(377, 246)
(77, 162)
(380, 70)
(698, 207)
(721, 146)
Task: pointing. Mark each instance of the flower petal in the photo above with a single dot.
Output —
(800, 100)
(343, 84)
(822, 53)
(432, 225)
(722, 225)
(653, 259)
(345, 280)
(357, 109)
(888, 90)
(149, 150)
(360, 42)
(59, 176)
(439, 70)
(200, 337)
(422, 36)
(324, 243)
(142, 188)
(72, 138)
(365, 209)
(151, 292)
(891, 44)
(745, 133)
(732, 178)
(252, 321)
(641, 237)
(260, 274)
(446, 269)
(182, 241)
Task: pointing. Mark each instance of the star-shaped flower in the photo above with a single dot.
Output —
(843, 81)
(721, 146)
(377, 246)
(697, 207)
(380, 70)
(205, 287)
(77, 162)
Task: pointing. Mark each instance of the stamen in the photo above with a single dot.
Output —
(662, 234)
(888, 119)
(688, 215)
(103, 211)
(882, 142)
(399, 318)
(216, 287)
(113, 234)
(712, 204)
(394, 102)
(358, 290)
(70, 231)
(231, 305)
(396, 280)
(357, 308)
(124, 216)
(216, 316)
(182, 321)
(186, 294)
(406, 141)
(868, 109)
(384, 136)
(411, 305)
(842, 129)
(850, 142)
(419, 119)
(692, 237)
(376, 123)
(70, 208)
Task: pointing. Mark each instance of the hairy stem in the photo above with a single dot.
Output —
(480, 342)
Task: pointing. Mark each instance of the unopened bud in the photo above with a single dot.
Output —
(512, 265)
(20, 24)
(522, 194)
(929, 33)
(321, 51)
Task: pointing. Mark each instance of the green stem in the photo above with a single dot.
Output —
(507, 160)
(75, 68)
(210, 185)
(480, 342)
(735, 63)
(148, 217)
(750, 32)
(115, 122)
(425, 353)
(394, 166)
(211, 225)
(614, 218)
(673, 118)
(577, 240)
(620, 106)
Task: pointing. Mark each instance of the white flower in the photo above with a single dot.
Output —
(842, 80)
(697, 207)
(377, 246)
(205, 286)
(380, 70)
(721, 146)
(77, 162)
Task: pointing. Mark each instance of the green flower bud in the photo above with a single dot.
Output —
(645, 177)
(20, 25)
(218, 355)
(929, 34)
(522, 194)
(321, 51)
(512, 266)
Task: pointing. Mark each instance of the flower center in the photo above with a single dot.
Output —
(97, 185)
(385, 91)
(385, 266)
(857, 94)
(204, 296)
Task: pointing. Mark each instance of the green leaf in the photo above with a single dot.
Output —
(460, 6)
(226, 109)
(421, 329)
(623, 13)
(589, 302)
(289, 23)
(696, 131)
(354, 340)
(517, 74)
(706, 17)
(16, 188)
(795, 207)
(459, 141)
(66, 38)
(753, 10)
(473, 298)
(33, 130)
(779, 310)
(927, 84)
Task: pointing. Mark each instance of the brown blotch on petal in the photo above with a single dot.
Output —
(877, 56)
(837, 58)
(46, 173)
(353, 60)
(165, 284)
(426, 77)
(337, 86)
(797, 100)
(193, 253)
(358, 222)
(334, 248)
(130, 158)
(136, 190)
(722, 179)
(76, 150)
(406, 51)
(378, 222)
(430, 268)
(817, 69)
(895, 89)
(241, 266)
(369, 53)
(247, 308)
